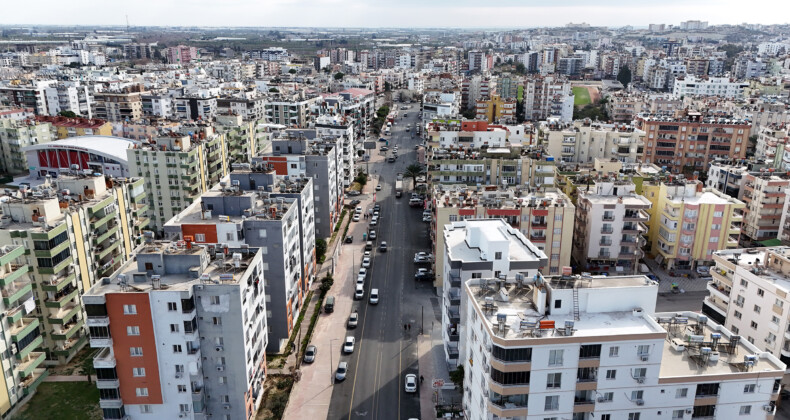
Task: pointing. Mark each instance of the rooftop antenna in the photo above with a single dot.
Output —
(127, 23)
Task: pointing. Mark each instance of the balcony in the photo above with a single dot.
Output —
(718, 306)
(537, 238)
(22, 328)
(453, 315)
(65, 313)
(67, 331)
(505, 408)
(70, 346)
(12, 272)
(57, 283)
(30, 383)
(719, 291)
(100, 341)
(104, 359)
(455, 280)
(607, 230)
(452, 334)
(108, 383)
(27, 364)
(62, 300)
(540, 223)
(603, 242)
(98, 321)
(454, 296)
(15, 291)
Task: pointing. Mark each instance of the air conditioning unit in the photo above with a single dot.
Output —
(640, 380)
(601, 399)
(644, 357)
(689, 411)
(226, 406)
(199, 287)
(640, 402)
(178, 374)
(220, 368)
(182, 415)
(768, 407)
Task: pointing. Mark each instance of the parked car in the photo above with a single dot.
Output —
(368, 245)
(342, 369)
(353, 193)
(374, 222)
(366, 262)
(309, 354)
(355, 218)
(423, 257)
(363, 271)
(384, 148)
(358, 210)
(354, 203)
(377, 208)
(378, 187)
(348, 345)
(383, 246)
(426, 218)
(372, 234)
(703, 270)
(410, 384)
(349, 239)
(353, 320)
(366, 254)
(359, 293)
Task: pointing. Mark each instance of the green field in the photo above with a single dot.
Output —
(581, 96)
(64, 401)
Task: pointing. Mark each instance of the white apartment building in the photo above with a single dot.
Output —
(474, 249)
(547, 96)
(764, 196)
(583, 142)
(182, 331)
(750, 295)
(586, 348)
(711, 86)
(70, 97)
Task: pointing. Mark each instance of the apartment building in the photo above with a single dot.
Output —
(319, 160)
(277, 218)
(611, 221)
(333, 127)
(708, 86)
(476, 249)
(771, 143)
(195, 108)
(77, 229)
(624, 107)
(247, 108)
(177, 168)
(120, 106)
(690, 141)
(729, 176)
(70, 96)
(592, 347)
(764, 197)
(478, 61)
(688, 223)
(744, 283)
(157, 105)
(181, 333)
(290, 110)
(65, 127)
(546, 97)
(532, 169)
(32, 95)
(181, 54)
(584, 141)
(545, 218)
(245, 137)
(496, 110)
(14, 137)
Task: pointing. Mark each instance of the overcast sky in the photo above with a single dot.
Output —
(393, 13)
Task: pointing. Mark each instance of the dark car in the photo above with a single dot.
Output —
(349, 239)
(354, 203)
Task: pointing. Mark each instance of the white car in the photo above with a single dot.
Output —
(378, 187)
(359, 293)
(411, 383)
(422, 257)
(348, 345)
(358, 210)
(366, 254)
(356, 217)
(360, 280)
(366, 262)
(374, 221)
(363, 272)
(374, 296)
(342, 370)
(426, 218)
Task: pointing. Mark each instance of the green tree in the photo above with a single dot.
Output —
(469, 114)
(339, 75)
(387, 86)
(320, 249)
(624, 76)
(292, 71)
(457, 376)
(274, 90)
(520, 68)
(413, 171)
(68, 114)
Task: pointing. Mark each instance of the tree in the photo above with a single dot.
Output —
(292, 71)
(413, 171)
(469, 114)
(274, 90)
(68, 114)
(320, 249)
(387, 86)
(339, 75)
(624, 76)
(520, 68)
(457, 376)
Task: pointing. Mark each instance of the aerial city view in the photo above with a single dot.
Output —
(420, 210)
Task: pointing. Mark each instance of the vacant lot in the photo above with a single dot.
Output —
(64, 401)
(581, 96)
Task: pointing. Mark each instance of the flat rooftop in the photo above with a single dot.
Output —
(220, 269)
(520, 311)
(757, 261)
(692, 361)
(496, 197)
(263, 208)
(493, 230)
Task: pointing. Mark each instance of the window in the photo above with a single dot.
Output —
(146, 409)
(738, 314)
(779, 303)
(748, 389)
(643, 349)
(637, 395)
(223, 380)
(614, 351)
(633, 416)
(611, 374)
(554, 380)
(497, 255)
(552, 403)
(681, 392)
(754, 325)
(640, 372)
(744, 283)
(184, 408)
(608, 396)
(775, 319)
(129, 309)
(141, 392)
(555, 358)
(607, 416)
(677, 414)
(132, 330)
(216, 320)
(135, 351)
(200, 237)
(173, 328)
(138, 372)
(182, 388)
(177, 348)
(172, 306)
(215, 300)
(756, 309)
(760, 292)
(745, 409)
(557, 303)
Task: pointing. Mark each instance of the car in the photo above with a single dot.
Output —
(353, 320)
(366, 254)
(360, 280)
(348, 345)
(363, 271)
(703, 270)
(355, 218)
(349, 239)
(372, 234)
(359, 292)
(426, 218)
(422, 271)
(377, 208)
(309, 354)
(374, 296)
(376, 215)
(384, 148)
(378, 187)
(366, 262)
(353, 193)
(358, 210)
(383, 246)
(374, 222)
(342, 369)
(420, 178)
(410, 385)
(423, 257)
(653, 277)
(368, 245)
(354, 203)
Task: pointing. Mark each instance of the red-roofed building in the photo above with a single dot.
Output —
(64, 127)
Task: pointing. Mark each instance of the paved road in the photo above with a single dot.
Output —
(689, 301)
(385, 352)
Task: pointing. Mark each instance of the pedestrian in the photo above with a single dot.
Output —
(421, 379)
(405, 327)
(409, 327)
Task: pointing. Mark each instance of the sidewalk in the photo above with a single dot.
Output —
(431, 358)
(311, 395)
(291, 364)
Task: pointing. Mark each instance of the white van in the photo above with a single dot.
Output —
(360, 292)
(374, 296)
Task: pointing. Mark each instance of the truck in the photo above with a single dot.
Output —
(399, 185)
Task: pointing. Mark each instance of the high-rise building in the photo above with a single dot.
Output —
(764, 196)
(119, 106)
(546, 97)
(181, 333)
(496, 109)
(14, 137)
(584, 141)
(181, 54)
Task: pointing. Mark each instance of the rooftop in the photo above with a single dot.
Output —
(766, 263)
(497, 197)
(492, 231)
(108, 146)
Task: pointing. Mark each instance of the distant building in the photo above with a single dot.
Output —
(181, 54)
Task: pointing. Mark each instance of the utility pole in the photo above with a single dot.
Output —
(422, 321)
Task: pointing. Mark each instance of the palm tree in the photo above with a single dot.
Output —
(413, 171)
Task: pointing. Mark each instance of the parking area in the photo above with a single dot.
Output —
(687, 280)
